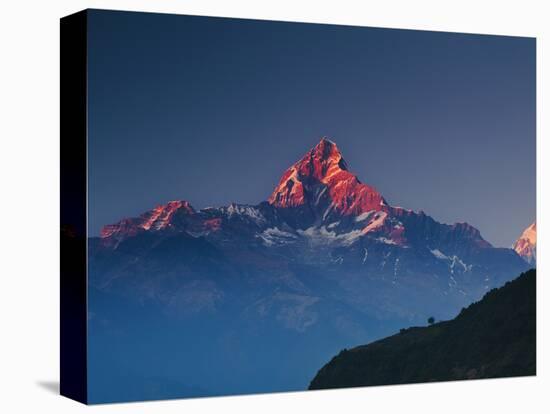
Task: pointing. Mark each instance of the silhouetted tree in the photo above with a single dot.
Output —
(431, 320)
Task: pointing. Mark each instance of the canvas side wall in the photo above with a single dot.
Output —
(73, 283)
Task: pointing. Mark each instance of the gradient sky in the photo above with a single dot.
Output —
(214, 110)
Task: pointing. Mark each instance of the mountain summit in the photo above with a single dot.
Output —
(526, 245)
(321, 179)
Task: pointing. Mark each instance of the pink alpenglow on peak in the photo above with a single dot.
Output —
(526, 245)
(157, 219)
(324, 165)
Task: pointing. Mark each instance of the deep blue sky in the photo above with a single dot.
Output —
(214, 110)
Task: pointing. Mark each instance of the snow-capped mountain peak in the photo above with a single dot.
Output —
(158, 218)
(322, 181)
(526, 245)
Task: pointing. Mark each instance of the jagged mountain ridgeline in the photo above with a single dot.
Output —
(326, 261)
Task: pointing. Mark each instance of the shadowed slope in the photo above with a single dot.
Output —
(495, 337)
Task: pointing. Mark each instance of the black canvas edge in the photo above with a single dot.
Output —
(73, 207)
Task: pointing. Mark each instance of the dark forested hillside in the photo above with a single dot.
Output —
(495, 337)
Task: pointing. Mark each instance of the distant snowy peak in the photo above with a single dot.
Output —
(244, 212)
(321, 180)
(526, 245)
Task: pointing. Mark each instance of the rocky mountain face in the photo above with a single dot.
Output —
(526, 245)
(325, 262)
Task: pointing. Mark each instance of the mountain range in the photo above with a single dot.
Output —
(326, 261)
